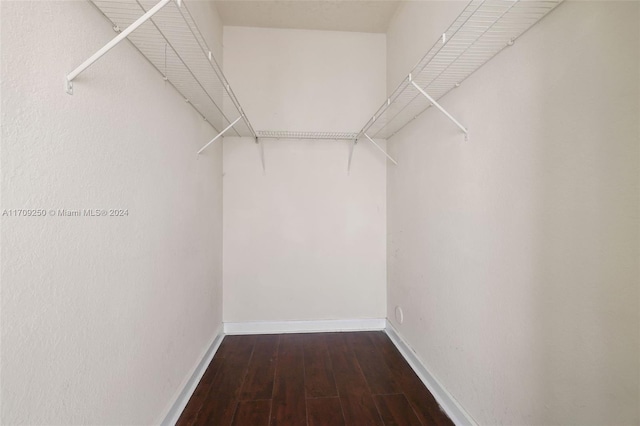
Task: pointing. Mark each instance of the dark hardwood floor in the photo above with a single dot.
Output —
(315, 379)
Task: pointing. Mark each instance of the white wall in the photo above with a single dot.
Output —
(103, 319)
(306, 240)
(515, 255)
(306, 80)
(414, 29)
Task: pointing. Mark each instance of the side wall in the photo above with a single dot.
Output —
(515, 255)
(305, 240)
(103, 318)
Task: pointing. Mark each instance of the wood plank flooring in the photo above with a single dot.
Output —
(314, 379)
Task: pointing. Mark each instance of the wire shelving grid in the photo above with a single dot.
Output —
(280, 134)
(174, 45)
(481, 31)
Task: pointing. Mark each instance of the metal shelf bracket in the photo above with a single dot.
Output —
(381, 150)
(220, 134)
(264, 166)
(353, 145)
(437, 105)
(116, 40)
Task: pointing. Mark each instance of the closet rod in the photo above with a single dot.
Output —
(107, 47)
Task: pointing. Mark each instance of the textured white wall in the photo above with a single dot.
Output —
(306, 241)
(414, 29)
(515, 254)
(306, 80)
(103, 319)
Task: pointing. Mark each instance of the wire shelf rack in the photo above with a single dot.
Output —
(173, 44)
(481, 31)
(280, 134)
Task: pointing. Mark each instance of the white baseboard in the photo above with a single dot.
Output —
(447, 402)
(322, 326)
(174, 412)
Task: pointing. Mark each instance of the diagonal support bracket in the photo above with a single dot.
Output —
(219, 134)
(381, 150)
(437, 105)
(116, 40)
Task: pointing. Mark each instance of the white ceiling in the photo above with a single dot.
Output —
(372, 16)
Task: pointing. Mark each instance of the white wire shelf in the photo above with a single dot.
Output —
(482, 30)
(171, 41)
(280, 134)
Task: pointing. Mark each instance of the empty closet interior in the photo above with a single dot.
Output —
(461, 174)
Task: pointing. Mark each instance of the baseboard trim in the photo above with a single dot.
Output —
(173, 414)
(322, 326)
(447, 402)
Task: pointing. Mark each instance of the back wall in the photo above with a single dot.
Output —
(304, 240)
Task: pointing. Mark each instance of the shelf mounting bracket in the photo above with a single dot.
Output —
(437, 105)
(353, 146)
(381, 150)
(264, 166)
(107, 47)
(219, 134)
